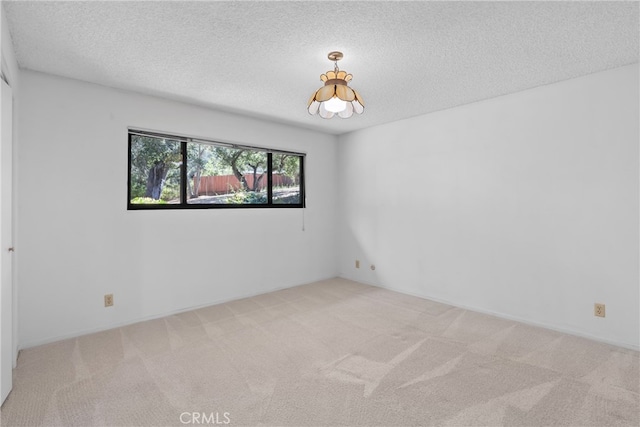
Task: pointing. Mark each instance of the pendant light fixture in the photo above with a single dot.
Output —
(335, 97)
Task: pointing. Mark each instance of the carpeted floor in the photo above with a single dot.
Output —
(330, 353)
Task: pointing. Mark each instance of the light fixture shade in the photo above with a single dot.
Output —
(324, 113)
(347, 112)
(335, 88)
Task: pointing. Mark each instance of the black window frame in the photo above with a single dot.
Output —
(183, 176)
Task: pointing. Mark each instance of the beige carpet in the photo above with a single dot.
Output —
(331, 353)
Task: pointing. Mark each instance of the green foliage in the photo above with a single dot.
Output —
(138, 189)
(202, 159)
(247, 198)
(206, 159)
(147, 201)
(171, 190)
(287, 165)
(145, 153)
(243, 162)
(287, 200)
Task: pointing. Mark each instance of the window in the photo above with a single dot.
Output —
(171, 172)
(154, 171)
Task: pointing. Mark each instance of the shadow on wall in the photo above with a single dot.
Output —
(360, 264)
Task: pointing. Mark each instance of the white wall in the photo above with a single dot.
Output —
(78, 242)
(525, 206)
(11, 71)
(8, 55)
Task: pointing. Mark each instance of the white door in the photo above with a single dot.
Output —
(6, 243)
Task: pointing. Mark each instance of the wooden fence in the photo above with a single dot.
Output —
(225, 184)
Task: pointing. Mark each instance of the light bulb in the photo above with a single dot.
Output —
(335, 105)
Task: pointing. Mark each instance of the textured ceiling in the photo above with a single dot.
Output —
(264, 58)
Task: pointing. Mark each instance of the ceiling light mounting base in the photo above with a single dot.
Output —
(335, 56)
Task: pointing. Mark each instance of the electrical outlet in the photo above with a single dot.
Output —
(598, 310)
(108, 300)
(357, 263)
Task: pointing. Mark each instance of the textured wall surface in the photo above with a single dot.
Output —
(525, 205)
(78, 242)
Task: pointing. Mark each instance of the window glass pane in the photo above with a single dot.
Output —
(286, 179)
(214, 175)
(222, 175)
(155, 170)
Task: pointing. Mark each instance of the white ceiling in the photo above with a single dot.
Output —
(264, 58)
